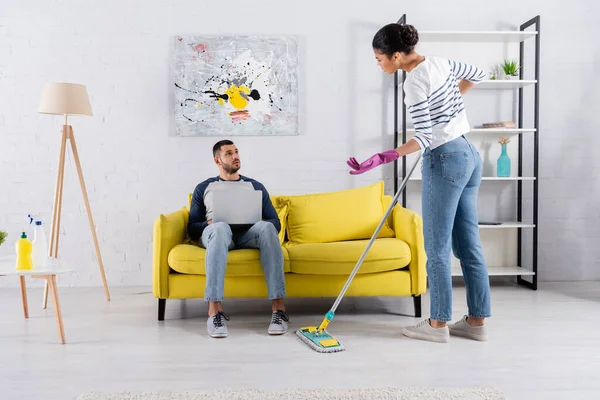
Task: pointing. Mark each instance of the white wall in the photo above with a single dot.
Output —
(134, 170)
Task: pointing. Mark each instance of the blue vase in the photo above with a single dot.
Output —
(503, 166)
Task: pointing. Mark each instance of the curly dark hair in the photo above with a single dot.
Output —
(396, 38)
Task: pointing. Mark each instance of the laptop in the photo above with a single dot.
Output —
(237, 205)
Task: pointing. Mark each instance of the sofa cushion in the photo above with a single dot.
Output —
(340, 258)
(189, 259)
(336, 216)
(282, 213)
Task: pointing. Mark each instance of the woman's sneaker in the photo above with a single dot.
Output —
(216, 325)
(424, 331)
(463, 329)
(279, 323)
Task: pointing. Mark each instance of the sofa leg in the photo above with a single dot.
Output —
(417, 302)
(161, 309)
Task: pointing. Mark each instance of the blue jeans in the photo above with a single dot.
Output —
(451, 179)
(218, 239)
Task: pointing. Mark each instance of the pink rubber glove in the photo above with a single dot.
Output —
(353, 163)
(372, 162)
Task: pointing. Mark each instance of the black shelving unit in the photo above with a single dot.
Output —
(400, 137)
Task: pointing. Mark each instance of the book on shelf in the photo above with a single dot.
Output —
(503, 124)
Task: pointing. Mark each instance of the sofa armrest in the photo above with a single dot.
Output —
(408, 226)
(169, 231)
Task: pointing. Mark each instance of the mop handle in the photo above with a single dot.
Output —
(385, 217)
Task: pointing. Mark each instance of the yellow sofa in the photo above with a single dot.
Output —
(322, 238)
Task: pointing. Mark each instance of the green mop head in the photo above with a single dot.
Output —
(321, 342)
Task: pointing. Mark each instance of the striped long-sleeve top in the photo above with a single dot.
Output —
(434, 102)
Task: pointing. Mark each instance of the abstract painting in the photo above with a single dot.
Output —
(235, 85)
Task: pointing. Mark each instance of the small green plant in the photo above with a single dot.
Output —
(511, 68)
(3, 236)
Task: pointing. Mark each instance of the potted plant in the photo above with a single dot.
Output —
(3, 235)
(511, 69)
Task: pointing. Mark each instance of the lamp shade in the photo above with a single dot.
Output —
(65, 98)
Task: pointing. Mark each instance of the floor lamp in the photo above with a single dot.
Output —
(68, 99)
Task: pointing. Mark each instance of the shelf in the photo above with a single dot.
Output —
(498, 271)
(476, 36)
(509, 178)
(489, 41)
(507, 225)
(492, 178)
(504, 84)
(503, 131)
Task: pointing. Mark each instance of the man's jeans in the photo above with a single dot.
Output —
(218, 239)
(451, 179)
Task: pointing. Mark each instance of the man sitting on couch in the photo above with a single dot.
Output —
(219, 237)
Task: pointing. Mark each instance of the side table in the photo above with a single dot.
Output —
(53, 267)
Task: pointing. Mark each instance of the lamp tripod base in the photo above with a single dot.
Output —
(67, 135)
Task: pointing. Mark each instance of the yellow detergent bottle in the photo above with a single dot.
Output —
(24, 248)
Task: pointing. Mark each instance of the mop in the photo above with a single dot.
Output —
(318, 338)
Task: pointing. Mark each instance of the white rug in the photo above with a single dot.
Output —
(470, 393)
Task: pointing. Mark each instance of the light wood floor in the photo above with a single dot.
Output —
(544, 345)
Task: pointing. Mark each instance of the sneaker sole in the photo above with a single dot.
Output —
(276, 333)
(415, 335)
(469, 335)
(218, 335)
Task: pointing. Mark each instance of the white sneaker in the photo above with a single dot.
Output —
(424, 331)
(463, 329)
(279, 323)
(216, 325)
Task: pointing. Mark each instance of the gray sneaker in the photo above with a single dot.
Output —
(424, 331)
(216, 325)
(463, 329)
(279, 323)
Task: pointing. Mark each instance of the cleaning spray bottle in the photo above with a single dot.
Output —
(40, 246)
(24, 248)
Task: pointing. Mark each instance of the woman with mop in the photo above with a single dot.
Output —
(451, 177)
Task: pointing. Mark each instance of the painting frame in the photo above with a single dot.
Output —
(235, 85)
